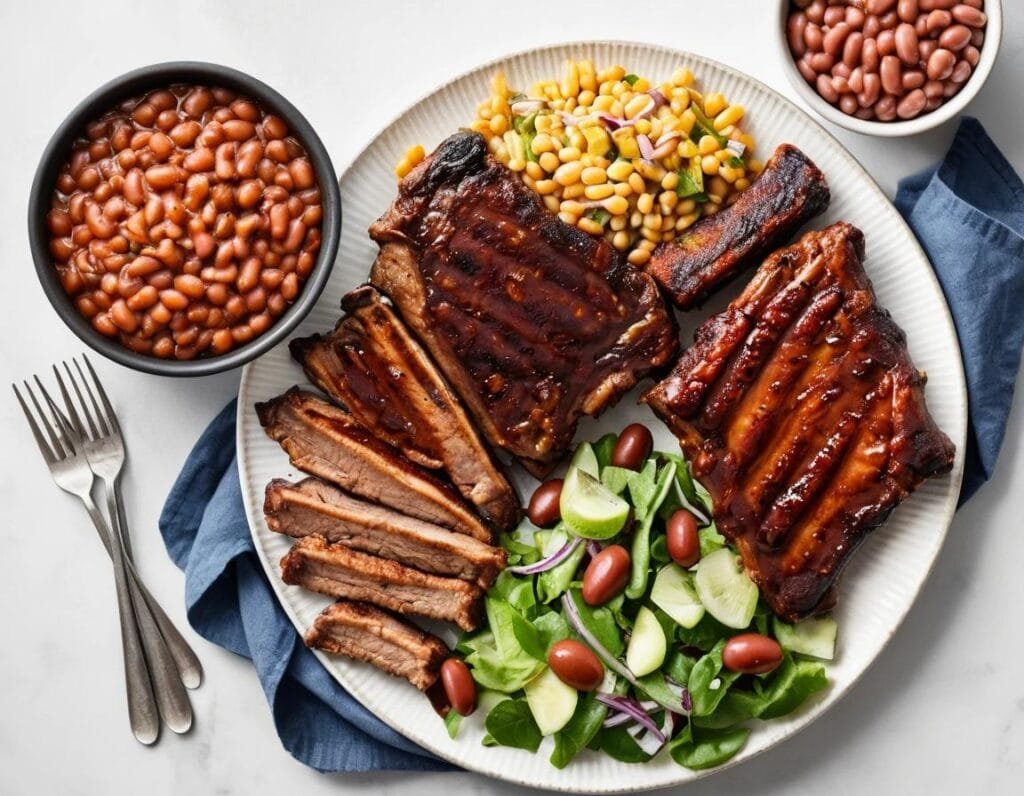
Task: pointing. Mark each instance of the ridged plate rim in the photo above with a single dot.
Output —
(402, 708)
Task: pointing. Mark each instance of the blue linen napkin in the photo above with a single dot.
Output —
(968, 214)
(231, 603)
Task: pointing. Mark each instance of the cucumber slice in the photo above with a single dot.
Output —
(675, 594)
(815, 637)
(616, 478)
(551, 701)
(586, 460)
(725, 590)
(647, 645)
(589, 508)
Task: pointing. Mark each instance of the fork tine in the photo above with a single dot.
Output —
(111, 414)
(76, 421)
(59, 450)
(44, 446)
(104, 426)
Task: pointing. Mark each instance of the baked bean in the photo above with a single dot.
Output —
(885, 108)
(856, 80)
(816, 12)
(174, 300)
(145, 298)
(575, 664)
(101, 323)
(913, 79)
(290, 287)
(940, 64)
(933, 89)
(682, 538)
(249, 155)
(972, 56)
(938, 20)
(795, 33)
(886, 43)
(751, 653)
(961, 72)
(242, 333)
(977, 37)
(805, 68)
(260, 323)
(606, 575)
(968, 15)
(869, 56)
(277, 151)
(926, 47)
(912, 104)
(833, 15)
(852, 49)
(301, 172)
(879, 7)
(296, 234)
(907, 10)
(871, 27)
(634, 445)
(921, 27)
(840, 84)
(892, 77)
(906, 43)
(889, 21)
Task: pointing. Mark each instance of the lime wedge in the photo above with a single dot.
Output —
(647, 645)
(586, 460)
(589, 508)
(551, 701)
(675, 594)
(725, 590)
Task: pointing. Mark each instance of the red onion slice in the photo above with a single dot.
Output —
(736, 147)
(646, 740)
(646, 147)
(550, 562)
(572, 614)
(634, 710)
(527, 106)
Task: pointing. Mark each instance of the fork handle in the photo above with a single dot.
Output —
(171, 699)
(189, 669)
(142, 709)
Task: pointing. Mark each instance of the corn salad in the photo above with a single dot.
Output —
(615, 156)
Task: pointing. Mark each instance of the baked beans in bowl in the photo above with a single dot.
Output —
(889, 67)
(184, 218)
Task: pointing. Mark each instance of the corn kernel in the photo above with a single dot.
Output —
(499, 124)
(544, 187)
(686, 221)
(668, 199)
(517, 164)
(542, 142)
(603, 102)
(652, 221)
(551, 203)
(586, 97)
(730, 116)
(402, 168)
(616, 205)
(685, 207)
(618, 223)
(549, 162)
(598, 192)
(707, 145)
(621, 240)
(568, 218)
(636, 219)
(670, 181)
(574, 191)
(636, 182)
(638, 257)
(638, 104)
(709, 164)
(742, 184)
(651, 171)
(590, 226)
(645, 203)
(682, 77)
(593, 175)
(623, 189)
(755, 166)
(687, 149)
(670, 235)
(568, 173)
(620, 170)
(724, 154)
(534, 170)
(642, 85)
(567, 154)
(643, 127)
(714, 103)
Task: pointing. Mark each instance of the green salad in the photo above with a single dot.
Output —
(628, 626)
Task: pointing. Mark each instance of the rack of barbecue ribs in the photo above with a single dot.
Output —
(803, 415)
(373, 366)
(790, 191)
(533, 322)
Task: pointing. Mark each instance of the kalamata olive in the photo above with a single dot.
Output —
(634, 446)
(751, 653)
(544, 511)
(458, 686)
(682, 538)
(606, 575)
(576, 664)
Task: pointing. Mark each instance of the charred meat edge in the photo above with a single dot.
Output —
(314, 507)
(373, 366)
(337, 571)
(802, 413)
(789, 191)
(533, 419)
(366, 633)
(324, 440)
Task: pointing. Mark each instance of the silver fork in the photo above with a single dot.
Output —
(105, 450)
(71, 472)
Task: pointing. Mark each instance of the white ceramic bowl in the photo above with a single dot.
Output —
(945, 112)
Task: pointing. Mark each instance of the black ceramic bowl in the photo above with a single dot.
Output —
(138, 82)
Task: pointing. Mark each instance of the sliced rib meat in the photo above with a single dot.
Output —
(373, 366)
(337, 571)
(366, 633)
(533, 322)
(326, 441)
(313, 507)
(789, 191)
(802, 413)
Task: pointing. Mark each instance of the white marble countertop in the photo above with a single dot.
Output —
(941, 711)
